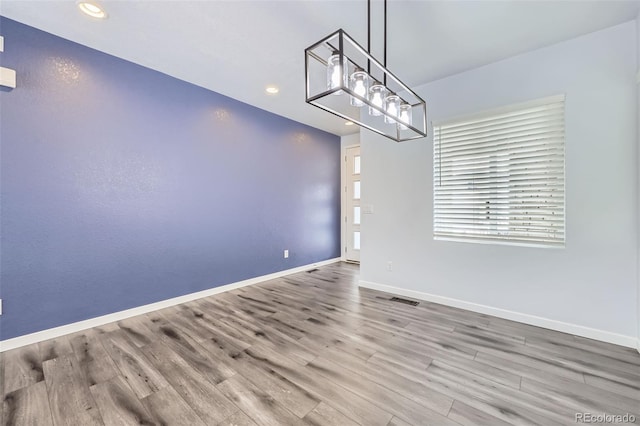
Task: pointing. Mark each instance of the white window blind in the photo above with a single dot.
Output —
(499, 175)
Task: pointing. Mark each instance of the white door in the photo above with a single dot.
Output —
(352, 210)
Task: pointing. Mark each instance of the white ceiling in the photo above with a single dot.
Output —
(238, 47)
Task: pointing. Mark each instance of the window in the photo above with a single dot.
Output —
(499, 176)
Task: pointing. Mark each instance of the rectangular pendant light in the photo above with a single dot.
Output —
(336, 82)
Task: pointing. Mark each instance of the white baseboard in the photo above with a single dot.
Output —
(52, 333)
(578, 330)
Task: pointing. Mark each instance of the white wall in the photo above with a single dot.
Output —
(589, 287)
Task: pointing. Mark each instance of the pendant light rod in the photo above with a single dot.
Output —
(384, 61)
(385, 41)
(369, 35)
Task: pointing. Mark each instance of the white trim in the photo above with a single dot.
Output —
(578, 330)
(52, 333)
(343, 199)
(345, 142)
(515, 243)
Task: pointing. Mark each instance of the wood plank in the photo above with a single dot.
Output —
(397, 422)
(238, 419)
(403, 365)
(137, 330)
(184, 319)
(212, 310)
(22, 368)
(485, 332)
(469, 416)
(96, 365)
(291, 396)
(580, 396)
(581, 347)
(262, 408)
(527, 331)
(432, 346)
(185, 345)
(268, 335)
(529, 357)
(289, 328)
(585, 360)
(287, 303)
(105, 328)
(27, 406)
(394, 403)
(522, 370)
(343, 400)
(483, 370)
(497, 400)
(325, 415)
(69, 396)
(409, 388)
(604, 346)
(201, 395)
(239, 339)
(136, 369)
(322, 339)
(166, 407)
(613, 386)
(53, 348)
(118, 404)
(221, 350)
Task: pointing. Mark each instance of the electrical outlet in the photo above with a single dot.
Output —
(286, 254)
(389, 266)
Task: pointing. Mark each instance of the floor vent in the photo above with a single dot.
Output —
(312, 270)
(405, 301)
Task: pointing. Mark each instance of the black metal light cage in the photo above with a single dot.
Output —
(337, 100)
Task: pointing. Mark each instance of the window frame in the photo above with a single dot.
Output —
(491, 236)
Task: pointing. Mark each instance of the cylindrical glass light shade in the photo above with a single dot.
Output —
(405, 116)
(392, 107)
(335, 72)
(359, 83)
(377, 93)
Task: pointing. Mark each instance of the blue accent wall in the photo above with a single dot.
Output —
(122, 186)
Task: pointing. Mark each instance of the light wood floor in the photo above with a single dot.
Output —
(314, 349)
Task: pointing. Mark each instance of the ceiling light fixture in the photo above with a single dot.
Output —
(91, 8)
(272, 90)
(349, 123)
(336, 81)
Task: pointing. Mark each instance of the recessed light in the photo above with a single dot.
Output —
(349, 123)
(92, 9)
(272, 90)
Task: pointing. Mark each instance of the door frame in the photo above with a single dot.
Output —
(347, 142)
